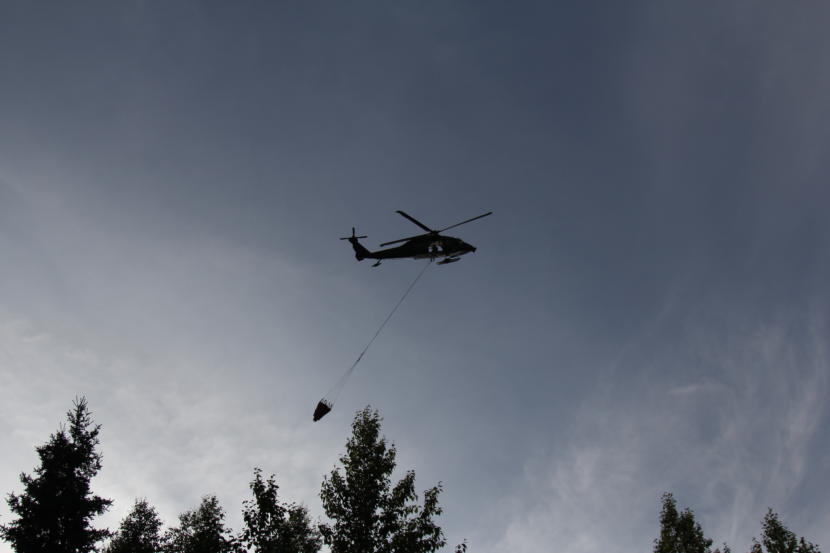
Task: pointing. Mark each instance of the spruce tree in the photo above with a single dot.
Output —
(55, 511)
(367, 513)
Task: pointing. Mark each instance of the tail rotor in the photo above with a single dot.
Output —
(352, 237)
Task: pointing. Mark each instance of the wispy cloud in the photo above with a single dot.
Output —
(169, 438)
(728, 445)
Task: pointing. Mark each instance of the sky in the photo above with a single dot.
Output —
(647, 311)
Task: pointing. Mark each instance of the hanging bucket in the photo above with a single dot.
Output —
(322, 409)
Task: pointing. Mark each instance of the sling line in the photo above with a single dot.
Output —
(327, 403)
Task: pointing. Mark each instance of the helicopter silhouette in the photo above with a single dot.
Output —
(430, 245)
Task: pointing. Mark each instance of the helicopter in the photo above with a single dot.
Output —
(430, 245)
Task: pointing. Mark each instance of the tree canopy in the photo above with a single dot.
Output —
(679, 531)
(140, 531)
(368, 514)
(275, 527)
(202, 530)
(777, 538)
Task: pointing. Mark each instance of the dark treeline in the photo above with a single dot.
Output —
(366, 512)
(681, 533)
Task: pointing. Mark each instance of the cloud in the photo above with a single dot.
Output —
(728, 444)
(193, 379)
(169, 438)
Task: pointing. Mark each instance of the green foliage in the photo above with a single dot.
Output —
(679, 532)
(57, 506)
(778, 539)
(201, 531)
(367, 513)
(139, 531)
(274, 527)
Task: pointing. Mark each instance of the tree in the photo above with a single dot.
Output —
(368, 514)
(56, 508)
(679, 532)
(201, 531)
(778, 539)
(139, 531)
(274, 527)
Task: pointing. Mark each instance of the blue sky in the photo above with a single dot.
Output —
(647, 310)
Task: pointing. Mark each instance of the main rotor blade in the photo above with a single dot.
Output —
(416, 221)
(404, 239)
(467, 221)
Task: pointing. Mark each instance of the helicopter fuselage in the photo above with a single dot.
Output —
(426, 247)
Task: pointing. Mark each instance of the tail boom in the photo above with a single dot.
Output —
(360, 252)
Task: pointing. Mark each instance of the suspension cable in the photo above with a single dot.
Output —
(327, 403)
